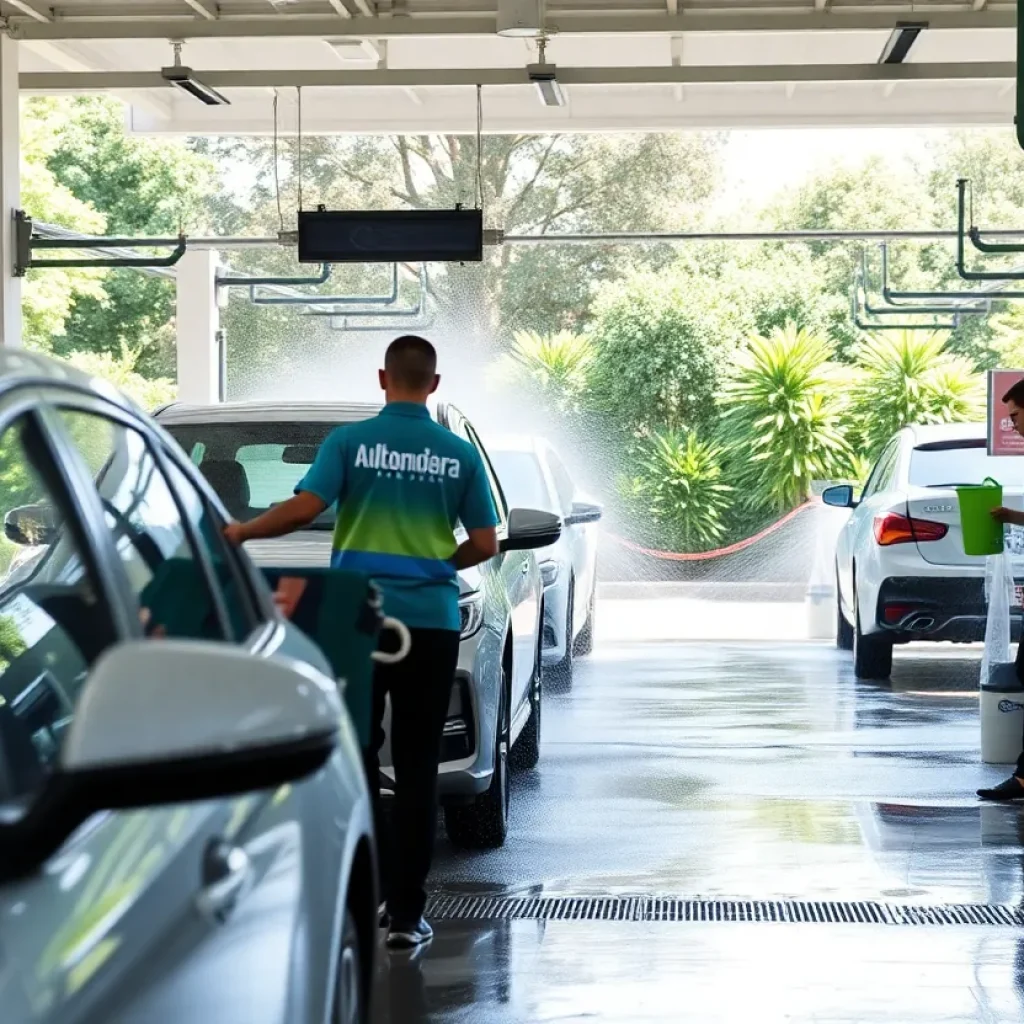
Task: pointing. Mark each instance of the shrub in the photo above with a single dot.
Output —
(680, 490)
(555, 365)
(909, 377)
(121, 371)
(782, 419)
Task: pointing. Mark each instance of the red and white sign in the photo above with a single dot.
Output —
(1003, 439)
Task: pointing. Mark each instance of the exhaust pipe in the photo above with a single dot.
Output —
(922, 623)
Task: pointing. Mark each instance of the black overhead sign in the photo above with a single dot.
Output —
(391, 236)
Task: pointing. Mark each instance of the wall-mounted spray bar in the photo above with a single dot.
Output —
(961, 235)
(387, 299)
(27, 243)
(903, 308)
(992, 293)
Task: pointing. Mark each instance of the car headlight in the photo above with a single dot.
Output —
(549, 573)
(471, 614)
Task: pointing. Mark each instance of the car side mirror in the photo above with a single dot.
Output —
(30, 525)
(530, 529)
(840, 496)
(583, 512)
(175, 721)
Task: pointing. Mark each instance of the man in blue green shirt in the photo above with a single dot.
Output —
(402, 483)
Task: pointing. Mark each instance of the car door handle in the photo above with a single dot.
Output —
(227, 875)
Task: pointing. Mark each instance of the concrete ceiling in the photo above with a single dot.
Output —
(411, 65)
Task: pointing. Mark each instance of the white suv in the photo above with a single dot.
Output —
(901, 571)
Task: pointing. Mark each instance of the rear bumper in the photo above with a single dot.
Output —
(950, 609)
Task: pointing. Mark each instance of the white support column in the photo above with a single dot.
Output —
(10, 192)
(198, 322)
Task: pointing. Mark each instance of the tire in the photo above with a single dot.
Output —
(844, 631)
(561, 673)
(526, 752)
(483, 824)
(585, 641)
(351, 1005)
(872, 655)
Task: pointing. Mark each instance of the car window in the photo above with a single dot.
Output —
(54, 619)
(563, 482)
(163, 565)
(208, 529)
(522, 480)
(492, 477)
(966, 461)
(253, 466)
(882, 471)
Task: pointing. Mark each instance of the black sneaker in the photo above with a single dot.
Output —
(411, 936)
(1005, 792)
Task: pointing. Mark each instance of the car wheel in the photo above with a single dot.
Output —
(844, 631)
(483, 824)
(526, 752)
(872, 655)
(585, 641)
(561, 673)
(350, 1003)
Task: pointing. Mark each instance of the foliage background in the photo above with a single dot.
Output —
(703, 389)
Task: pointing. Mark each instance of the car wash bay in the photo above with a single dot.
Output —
(737, 830)
(724, 825)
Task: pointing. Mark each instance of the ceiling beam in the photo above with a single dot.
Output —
(749, 20)
(204, 8)
(425, 77)
(29, 9)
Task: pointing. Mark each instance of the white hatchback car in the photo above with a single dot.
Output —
(901, 571)
(533, 475)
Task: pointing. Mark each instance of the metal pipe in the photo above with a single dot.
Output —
(896, 308)
(336, 300)
(993, 293)
(937, 325)
(374, 314)
(993, 248)
(961, 262)
(241, 281)
(114, 262)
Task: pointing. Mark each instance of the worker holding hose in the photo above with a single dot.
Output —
(401, 482)
(1013, 787)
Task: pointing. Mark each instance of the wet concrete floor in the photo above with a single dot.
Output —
(750, 770)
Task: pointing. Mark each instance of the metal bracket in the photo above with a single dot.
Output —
(26, 244)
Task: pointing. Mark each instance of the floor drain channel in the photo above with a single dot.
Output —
(650, 908)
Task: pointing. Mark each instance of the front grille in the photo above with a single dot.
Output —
(652, 908)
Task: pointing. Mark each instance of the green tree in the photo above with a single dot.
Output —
(909, 377)
(143, 187)
(122, 371)
(782, 419)
(555, 368)
(49, 295)
(680, 491)
(657, 355)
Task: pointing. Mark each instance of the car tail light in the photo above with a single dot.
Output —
(896, 529)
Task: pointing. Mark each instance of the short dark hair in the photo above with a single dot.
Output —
(1016, 394)
(411, 362)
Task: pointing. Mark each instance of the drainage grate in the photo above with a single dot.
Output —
(649, 908)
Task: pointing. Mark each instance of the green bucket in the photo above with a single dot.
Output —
(982, 534)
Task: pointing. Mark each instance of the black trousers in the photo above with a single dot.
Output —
(419, 686)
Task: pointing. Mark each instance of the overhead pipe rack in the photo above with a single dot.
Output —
(898, 308)
(992, 293)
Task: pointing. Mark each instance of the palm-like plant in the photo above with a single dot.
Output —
(557, 365)
(681, 490)
(783, 418)
(909, 377)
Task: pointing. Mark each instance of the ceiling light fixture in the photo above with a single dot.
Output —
(520, 19)
(900, 41)
(545, 77)
(184, 78)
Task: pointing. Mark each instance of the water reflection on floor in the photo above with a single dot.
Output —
(750, 770)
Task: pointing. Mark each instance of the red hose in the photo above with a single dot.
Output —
(703, 556)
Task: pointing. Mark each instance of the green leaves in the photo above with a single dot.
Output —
(782, 419)
(680, 489)
(906, 377)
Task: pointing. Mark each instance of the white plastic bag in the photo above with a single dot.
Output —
(1000, 593)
